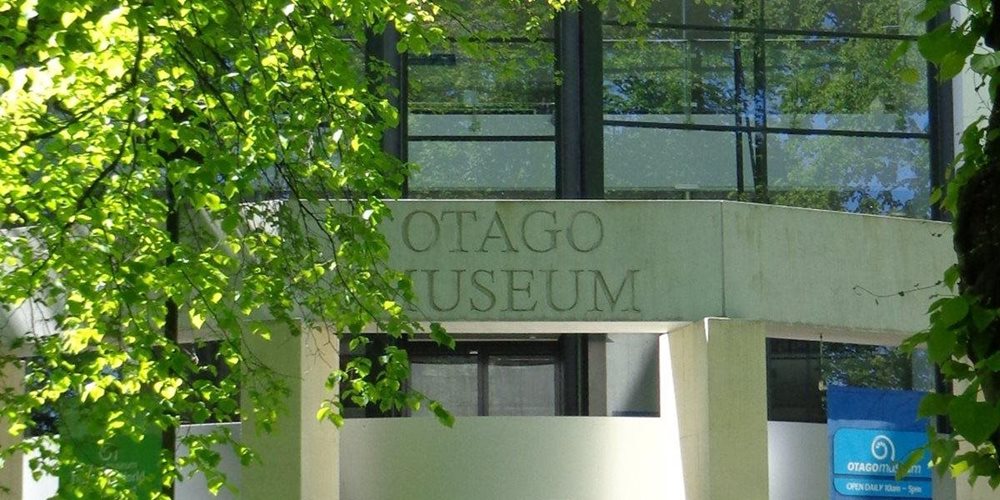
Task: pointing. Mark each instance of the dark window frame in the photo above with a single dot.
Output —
(579, 119)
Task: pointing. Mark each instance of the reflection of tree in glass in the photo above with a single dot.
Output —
(842, 84)
(484, 169)
(485, 77)
(865, 175)
(789, 65)
(668, 75)
(497, 61)
(883, 17)
(495, 79)
(857, 365)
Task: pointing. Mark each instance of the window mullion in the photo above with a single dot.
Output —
(484, 382)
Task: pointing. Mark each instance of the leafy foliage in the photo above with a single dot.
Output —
(173, 157)
(964, 333)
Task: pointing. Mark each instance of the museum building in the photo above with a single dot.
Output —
(659, 246)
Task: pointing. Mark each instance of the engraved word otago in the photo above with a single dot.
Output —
(484, 260)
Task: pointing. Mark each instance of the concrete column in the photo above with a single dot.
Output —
(12, 471)
(714, 390)
(980, 491)
(300, 457)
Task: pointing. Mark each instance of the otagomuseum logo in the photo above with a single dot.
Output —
(866, 461)
(883, 448)
(883, 453)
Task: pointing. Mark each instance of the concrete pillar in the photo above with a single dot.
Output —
(980, 491)
(300, 456)
(714, 390)
(12, 471)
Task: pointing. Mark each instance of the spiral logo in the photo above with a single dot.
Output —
(883, 448)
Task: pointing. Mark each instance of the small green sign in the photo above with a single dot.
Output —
(137, 461)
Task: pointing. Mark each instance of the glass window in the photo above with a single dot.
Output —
(889, 17)
(799, 371)
(489, 378)
(673, 164)
(522, 385)
(691, 12)
(481, 117)
(873, 175)
(772, 101)
(842, 84)
(452, 380)
(483, 168)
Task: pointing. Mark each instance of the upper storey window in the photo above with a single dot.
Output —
(789, 102)
(777, 101)
(481, 110)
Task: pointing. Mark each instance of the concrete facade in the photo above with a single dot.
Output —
(709, 283)
(777, 272)
(666, 261)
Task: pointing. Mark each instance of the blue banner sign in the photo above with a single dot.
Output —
(871, 432)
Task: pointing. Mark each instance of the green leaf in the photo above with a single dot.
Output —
(392, 307)
(909, 75)
(991, 363)
(953, 310)
(67, 18)
(940, 344)
(951, 275)
(951, 66)
(230, 189)
(973, 420)
(442, 414)
(982, 318)
(357, 343)
(898, 52)
(985, 63)
(936, 44)
(948, 49)
(413, 402)
(322, 412)
(909, 462)
(915, 341)
(92, 391)
(439, 335)
(361, 366)
(934, 404)
(213, 202)
(196, 319)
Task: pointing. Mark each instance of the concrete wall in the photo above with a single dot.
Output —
(194, 487)
(832, 269)
(979, 491)
(689, 260)
(503, 458)
(45, 486)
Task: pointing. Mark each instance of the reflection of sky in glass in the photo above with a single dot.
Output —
(814, 82)
(699, 76)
